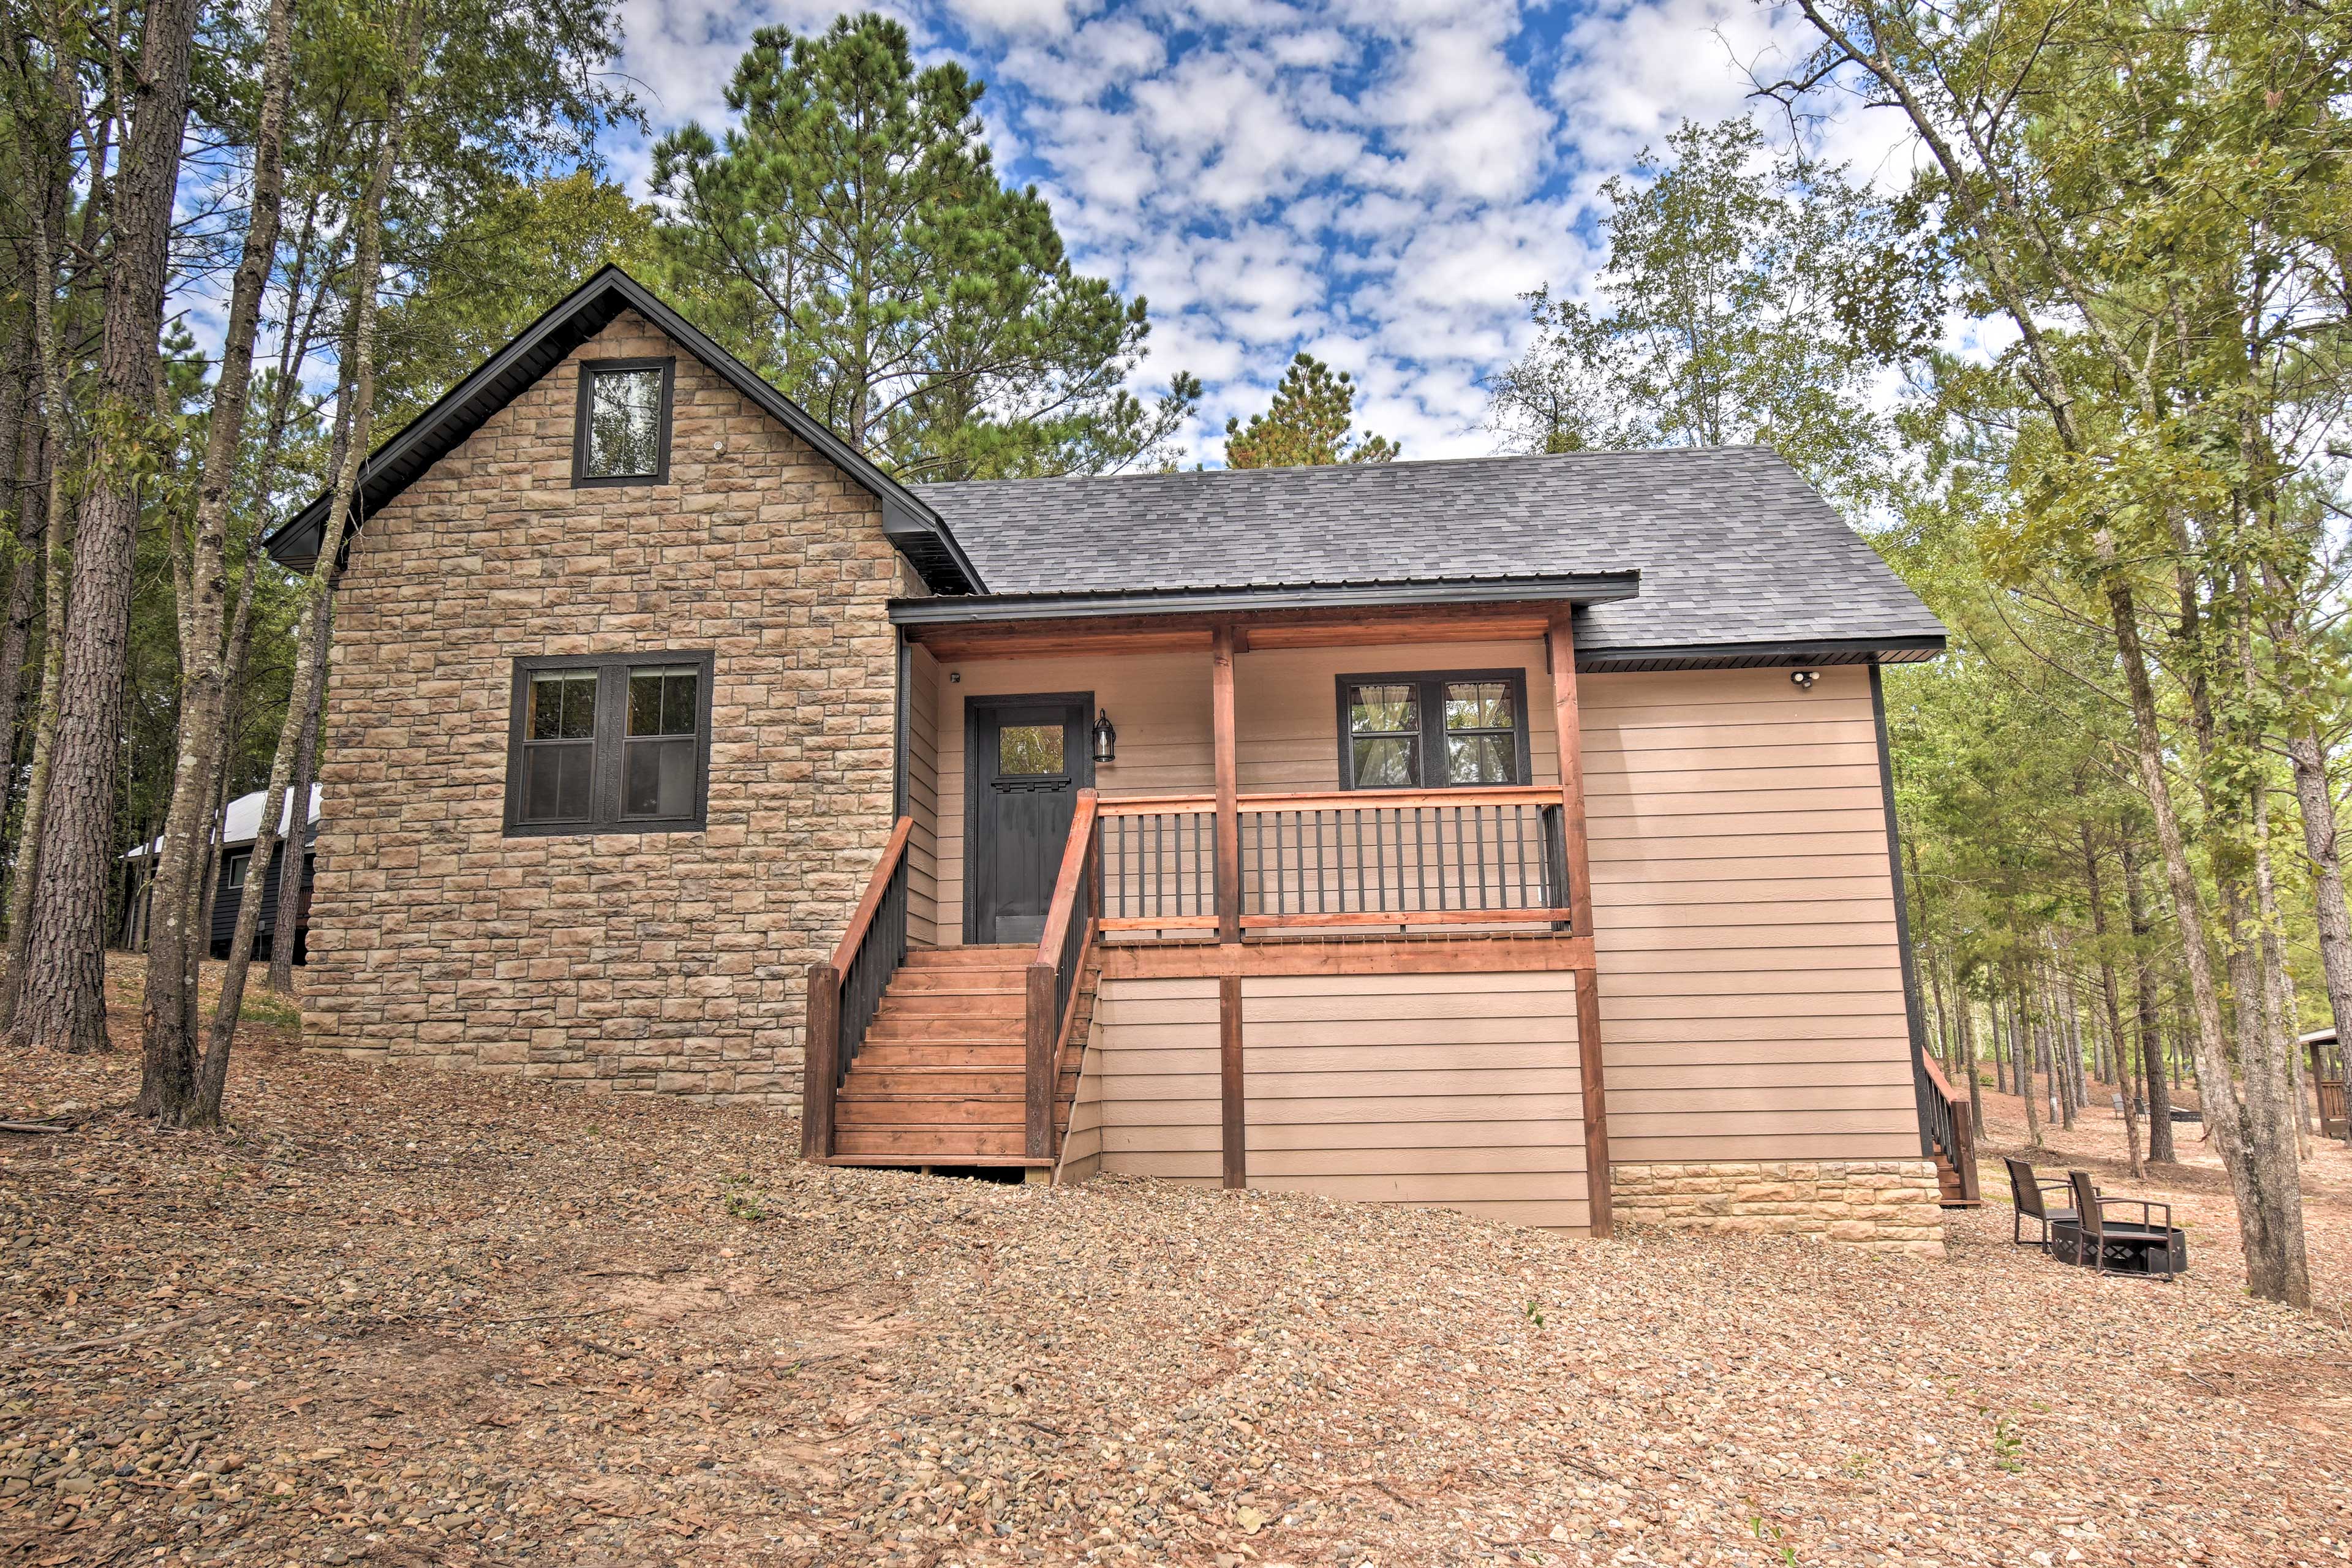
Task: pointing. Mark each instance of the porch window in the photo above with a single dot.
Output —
(1441, 730)
(622, 436)
(613, 743)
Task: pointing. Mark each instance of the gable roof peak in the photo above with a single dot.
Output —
(909, 522)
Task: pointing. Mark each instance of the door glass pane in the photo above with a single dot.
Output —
(624, 424)
(662, 701)
(1387, 763)
(1481, 759)
(1031, 749)
(562, 705)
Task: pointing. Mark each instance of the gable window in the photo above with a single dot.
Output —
(609, 742)
(623, 428)
(1446, 729)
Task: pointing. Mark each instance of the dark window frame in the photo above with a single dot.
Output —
(610, 742)
(1430, 686)
(589, 370)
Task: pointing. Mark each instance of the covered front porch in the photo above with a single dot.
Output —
(1219, 794)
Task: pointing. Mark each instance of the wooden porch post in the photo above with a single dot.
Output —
(1229, 905)
(1229, 820)
(820, 1042)
(1560, 644)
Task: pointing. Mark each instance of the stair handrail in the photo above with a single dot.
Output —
(1957, 1126)
(827, 1047)
(1050, 994)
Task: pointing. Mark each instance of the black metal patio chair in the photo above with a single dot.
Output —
(2145, 1247)
(2026, 1193)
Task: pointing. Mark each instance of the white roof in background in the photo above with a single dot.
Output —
(241, 822)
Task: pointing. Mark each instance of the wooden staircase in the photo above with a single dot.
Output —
(1950, 1136)
(938, 1078)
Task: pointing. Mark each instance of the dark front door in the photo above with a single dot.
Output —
(1027, 760)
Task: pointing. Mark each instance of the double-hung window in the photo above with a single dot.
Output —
(621, 430)
(1446, 730)
(609, 743)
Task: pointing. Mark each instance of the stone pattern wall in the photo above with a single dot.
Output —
(1883, 1205)
(666, 962)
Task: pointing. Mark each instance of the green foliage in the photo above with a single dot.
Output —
(850, 238)
(521, 248)
(1311, 422)
(1720, 316)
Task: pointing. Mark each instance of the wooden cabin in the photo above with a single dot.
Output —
(1511, 834)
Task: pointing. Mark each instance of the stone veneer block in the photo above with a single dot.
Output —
(1880, 1205)
(670, 963)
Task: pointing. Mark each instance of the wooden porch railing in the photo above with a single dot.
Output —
(1403, 858)
(845, 991)
(1339, 858)
(1052, 990)
(1949, 1126)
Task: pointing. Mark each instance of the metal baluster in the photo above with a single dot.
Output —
(1461, 864)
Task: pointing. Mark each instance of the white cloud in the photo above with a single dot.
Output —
(1376, 181)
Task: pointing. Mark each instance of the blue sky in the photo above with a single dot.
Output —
(1374, 183)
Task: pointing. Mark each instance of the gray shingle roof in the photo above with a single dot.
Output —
(1732, 545)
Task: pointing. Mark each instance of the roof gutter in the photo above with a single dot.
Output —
(1574, 588)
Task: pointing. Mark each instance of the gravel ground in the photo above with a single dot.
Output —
(404, 1316)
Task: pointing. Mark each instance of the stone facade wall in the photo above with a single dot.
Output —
(1883, 1205)
(669, 962)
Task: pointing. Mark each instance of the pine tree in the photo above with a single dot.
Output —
(1310, 424)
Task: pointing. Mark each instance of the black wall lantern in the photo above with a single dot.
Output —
(1106, 738)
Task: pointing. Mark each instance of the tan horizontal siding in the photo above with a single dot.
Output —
(1458, 1090)
(1155, 1065)
(923, 797)
(1751, 998)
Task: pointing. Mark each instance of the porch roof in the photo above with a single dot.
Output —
(1738, 560)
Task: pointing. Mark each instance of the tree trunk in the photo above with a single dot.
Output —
(317, 592)
(290, 879)
(2112, 995)
(56, 564)
(61, 997)
(2268, 1189)
(1968, 1023)
(2020, 1044)
(24, 595)
(169, 1071)
(2000, 1048)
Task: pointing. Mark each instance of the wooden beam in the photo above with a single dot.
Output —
(1340, 627)
(1396, 918)
(1392, 955)
(1229, 831)
(820, 1045)
(1229, 1074)
(1567, 720)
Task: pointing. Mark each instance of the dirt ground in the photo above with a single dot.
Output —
(402, 1316)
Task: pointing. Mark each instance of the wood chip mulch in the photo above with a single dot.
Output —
(404, 1316)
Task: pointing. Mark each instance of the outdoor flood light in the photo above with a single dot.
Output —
(1804, 678)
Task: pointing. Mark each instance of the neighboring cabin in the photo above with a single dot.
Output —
(1433, 832)
(240, 825)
